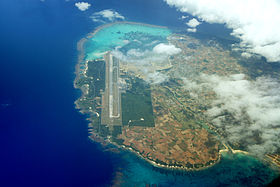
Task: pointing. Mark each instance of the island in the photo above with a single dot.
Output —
(137, 99)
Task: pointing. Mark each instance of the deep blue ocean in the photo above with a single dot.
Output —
(43, 138)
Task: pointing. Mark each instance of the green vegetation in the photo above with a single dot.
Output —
(96, 70)
(103, 130)
(137, 107)
(116, 131)
(90, 103)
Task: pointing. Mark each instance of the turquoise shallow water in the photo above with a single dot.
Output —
(110, 37)
(233, 170)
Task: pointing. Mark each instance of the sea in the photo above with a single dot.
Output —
(44, 139)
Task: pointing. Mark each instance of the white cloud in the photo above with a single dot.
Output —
(140, 57)
(135, 53)
(248, 111)
(146, 61)
(193, 23)
(107, 14)
(142, 61)
(184, 17)
(136, 56)
(156, 78)
(260, 98)
(168, 49)
(246, 55)
(82, 5)
(191, 29)
(144, 56)
(255, 22)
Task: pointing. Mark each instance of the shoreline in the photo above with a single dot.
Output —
(162, 166)
(183, 168)
(153, 163)
(81, 55)
(105, 142)
(97, 29)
